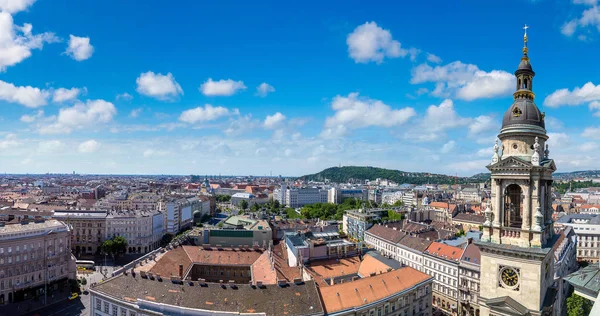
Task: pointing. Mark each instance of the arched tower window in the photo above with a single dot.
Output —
(513, 206)
(519, 84)
(525, 83)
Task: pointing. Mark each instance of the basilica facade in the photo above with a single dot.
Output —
(518, 234)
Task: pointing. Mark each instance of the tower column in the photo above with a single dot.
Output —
(498, 209)
(526, 224)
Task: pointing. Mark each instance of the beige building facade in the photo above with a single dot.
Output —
(34, 255)
(89, 230)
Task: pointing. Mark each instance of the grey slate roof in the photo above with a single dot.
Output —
(292, 299)
(586, 279)
(415, 243)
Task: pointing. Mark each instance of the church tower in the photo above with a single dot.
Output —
(518, 234)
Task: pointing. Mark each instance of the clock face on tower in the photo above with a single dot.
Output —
(509, 277)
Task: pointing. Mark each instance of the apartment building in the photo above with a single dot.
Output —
(441, 262)
(469, 281)
(398, 245)
(34, 255)
(181, 213)
(587, 229)
(135, 226)
(565, 263)
(298, 197)
(356, 222)
(89, 229)
(399, 292)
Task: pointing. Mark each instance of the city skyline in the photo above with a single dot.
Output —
(267, 88)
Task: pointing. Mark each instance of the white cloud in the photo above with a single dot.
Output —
(263, 89)
(553, 123)
(221, 88)
(9, 141)
(354, 112)
(486, 152)
(241, 125)
(442, 117)
(483, 124)
(288, 152)
(558, 140)
(17, 42)
(274, 121)
(14, 6)
(589, 146)
(433, 58)
(159, 86)
(589, 18)
(135, 112)
(81, 115)
(464, 81)
(154, 153)
(63, 95)
(569, 28)
(370, 43)
(50, 146)
(203, 114)
(587, 93)
(32, 118)
(28, 96)
(79, 48)
(89, 146)
(448, 147)
(591, 132)
(124, 96)
(595, 107)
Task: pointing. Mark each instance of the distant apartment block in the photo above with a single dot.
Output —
(34, 254)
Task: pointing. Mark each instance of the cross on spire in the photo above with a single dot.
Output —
(525, 28)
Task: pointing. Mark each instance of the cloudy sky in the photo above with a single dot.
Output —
(239, 87)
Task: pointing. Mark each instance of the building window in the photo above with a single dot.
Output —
(123, 312)
(115, 308)
(98, 304)
(106, 307)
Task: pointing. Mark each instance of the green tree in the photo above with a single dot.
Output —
(255, 207)
(119, 244)
(244, 205)
(114, 245)
(166, 238)
(393, 216)
(578, 306)
(107, 246)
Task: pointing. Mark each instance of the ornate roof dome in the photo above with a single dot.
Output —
(523, 115)
(523, 112)
(525, 65)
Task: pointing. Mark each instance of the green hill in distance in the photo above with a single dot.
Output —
(358, 173)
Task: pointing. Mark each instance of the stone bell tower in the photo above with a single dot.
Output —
(518, 233)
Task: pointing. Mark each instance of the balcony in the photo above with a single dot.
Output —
(511, 232)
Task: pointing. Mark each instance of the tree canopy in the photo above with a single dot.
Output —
(114, 246)
(329, 211)
(578, 306)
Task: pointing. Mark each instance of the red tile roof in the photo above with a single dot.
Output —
(348, 295)
(444, 251)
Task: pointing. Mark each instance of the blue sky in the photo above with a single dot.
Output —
(270, 87)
